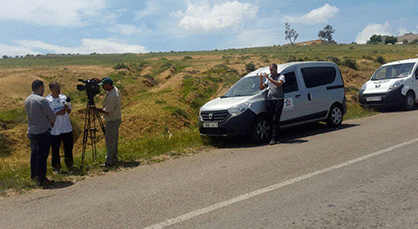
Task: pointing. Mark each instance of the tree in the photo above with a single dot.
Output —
(375, 39)
(326, 33)
(291, 34)
(391, 40)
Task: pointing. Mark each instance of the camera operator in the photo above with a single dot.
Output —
(112, 115)
(275, 98)
(40, 120)
(62, 130)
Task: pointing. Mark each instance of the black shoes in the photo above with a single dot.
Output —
(44, 181)
(108, 165)
(273, 141)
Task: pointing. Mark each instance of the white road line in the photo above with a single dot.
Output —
(246, 196)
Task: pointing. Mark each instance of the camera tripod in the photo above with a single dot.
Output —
(92, 114)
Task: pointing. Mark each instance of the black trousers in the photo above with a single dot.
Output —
(275, 108)
(39, 144)
(67, 140)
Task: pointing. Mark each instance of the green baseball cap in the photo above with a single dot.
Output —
(106, 80)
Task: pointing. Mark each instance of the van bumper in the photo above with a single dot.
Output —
(393, 98)
(229, 126)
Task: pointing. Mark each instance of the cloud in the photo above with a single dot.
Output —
(316, 16)
(14, 50)
(50, 12)
(372, 29)
(125, 29)
(152, 8)
(88, 46)
(204, 18)
(251, 38)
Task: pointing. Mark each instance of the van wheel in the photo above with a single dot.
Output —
(335, 116)
(409, 101)
(261, 130)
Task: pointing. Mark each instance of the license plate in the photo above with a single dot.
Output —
(372, 99)
(210, 125)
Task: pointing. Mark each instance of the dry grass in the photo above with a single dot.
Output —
(153, 102)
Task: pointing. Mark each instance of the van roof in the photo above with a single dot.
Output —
(281, 67)
(415, 60)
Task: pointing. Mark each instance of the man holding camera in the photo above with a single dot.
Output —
(275, 97)
(62, 130)
(112, 115)
(40, 121)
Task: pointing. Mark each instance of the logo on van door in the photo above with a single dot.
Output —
(377, 86)
(288, 104)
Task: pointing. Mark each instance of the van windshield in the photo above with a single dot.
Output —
(244, 87)
(393, 71)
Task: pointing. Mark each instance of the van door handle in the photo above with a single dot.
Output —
(309, 96)
(297, 96)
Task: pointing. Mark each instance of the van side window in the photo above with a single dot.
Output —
(291, 84)
(318, 76)
(416, 74)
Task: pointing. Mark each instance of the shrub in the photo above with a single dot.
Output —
(350, 63)
(335, 60)
(122, 66)
(187, 58)
(380, 59)
(250, 67)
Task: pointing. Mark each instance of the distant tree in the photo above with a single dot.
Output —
(375, 39)
(5, 57)
(391, 39)
(326, 33)
(290, 33)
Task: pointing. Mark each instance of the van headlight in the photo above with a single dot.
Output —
(396, 84)
(363, 87)
(239, 109)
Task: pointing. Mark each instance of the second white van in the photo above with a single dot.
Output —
(394, 84)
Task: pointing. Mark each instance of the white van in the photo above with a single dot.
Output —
(393, 84)
(313, 91)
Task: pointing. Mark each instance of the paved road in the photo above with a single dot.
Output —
(363, 175)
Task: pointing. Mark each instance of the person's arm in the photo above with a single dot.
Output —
(101, 110)
(262, 85)
(50, 114)
(277, 82)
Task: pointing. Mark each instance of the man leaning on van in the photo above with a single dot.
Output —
(275, 98)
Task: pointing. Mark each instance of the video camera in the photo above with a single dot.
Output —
(91, 87)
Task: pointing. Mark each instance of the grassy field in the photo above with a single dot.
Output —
(161, 95)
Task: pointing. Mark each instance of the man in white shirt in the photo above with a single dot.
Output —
(275, 98)
(62, 130)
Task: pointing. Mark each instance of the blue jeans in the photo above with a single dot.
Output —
(39, 144)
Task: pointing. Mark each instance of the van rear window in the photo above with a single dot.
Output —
(318, 76)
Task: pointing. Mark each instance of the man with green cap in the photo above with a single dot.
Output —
(112, 115)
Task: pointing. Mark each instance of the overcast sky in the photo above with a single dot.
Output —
(116, 26)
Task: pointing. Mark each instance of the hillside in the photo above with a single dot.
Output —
(161, 92)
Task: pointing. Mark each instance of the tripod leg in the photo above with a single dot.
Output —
(85, 134)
